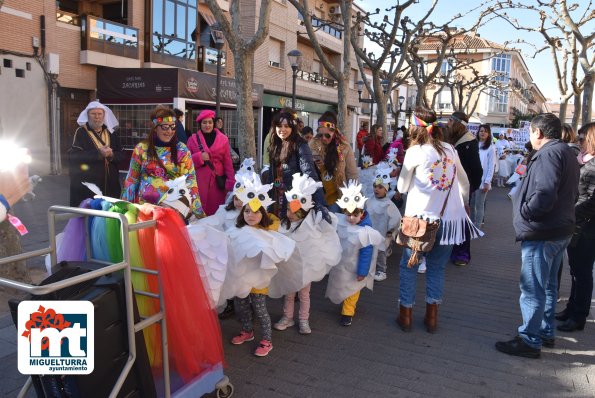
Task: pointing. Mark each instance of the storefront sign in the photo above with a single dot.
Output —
(276, 101)
(137, 84)
(162, 85)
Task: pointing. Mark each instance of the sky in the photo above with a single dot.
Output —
(541, 67)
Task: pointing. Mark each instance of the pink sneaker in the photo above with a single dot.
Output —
(243, 337)
(264, 348)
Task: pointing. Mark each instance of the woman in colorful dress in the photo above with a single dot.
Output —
(158, 160)
(212, 158)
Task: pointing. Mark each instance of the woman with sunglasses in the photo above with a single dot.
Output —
(334, 158)
(211, 154)
(158, 159)
(288, 154)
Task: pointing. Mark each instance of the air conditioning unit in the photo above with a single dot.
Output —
(334, 9)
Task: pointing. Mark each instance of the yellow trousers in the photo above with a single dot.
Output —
(349, 304)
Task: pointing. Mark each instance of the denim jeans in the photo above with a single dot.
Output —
(478, 201)
(539, 288)
(436, 260)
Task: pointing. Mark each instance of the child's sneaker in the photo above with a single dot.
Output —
(263, 348)
(243, 337)
(422, 266)
(346, 320)
(304, 326)
(284, 323)
(379, 276)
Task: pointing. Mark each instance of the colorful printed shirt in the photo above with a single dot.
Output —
(145, 182)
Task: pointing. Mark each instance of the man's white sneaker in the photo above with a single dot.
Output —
(379, 276)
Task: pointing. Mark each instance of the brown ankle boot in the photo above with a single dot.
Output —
(431, 319)
(404, 319)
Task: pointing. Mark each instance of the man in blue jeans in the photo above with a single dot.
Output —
(543, 219)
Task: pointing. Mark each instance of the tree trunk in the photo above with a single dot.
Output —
(588, 98)
(563, 109)
(342, 114)
(576, 116)
(243, 74)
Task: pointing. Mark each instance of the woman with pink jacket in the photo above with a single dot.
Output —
(212, 160)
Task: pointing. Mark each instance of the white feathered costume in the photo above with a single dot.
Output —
(255, 252)
(384, 214)
(318, 248)
(342, 280)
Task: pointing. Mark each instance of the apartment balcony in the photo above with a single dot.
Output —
(328, 35)
(108, 43)
(317, 78)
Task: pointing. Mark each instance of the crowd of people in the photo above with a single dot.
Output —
(312, 212)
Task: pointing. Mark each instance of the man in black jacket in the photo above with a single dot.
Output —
(543, 219)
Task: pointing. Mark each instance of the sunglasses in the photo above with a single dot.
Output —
(166, 127)
(326, 135)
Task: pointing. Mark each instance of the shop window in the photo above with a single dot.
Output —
(134, 122)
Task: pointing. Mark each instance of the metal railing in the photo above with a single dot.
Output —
(109, 37)
(317, 78)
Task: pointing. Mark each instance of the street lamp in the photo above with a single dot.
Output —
(219, 40)
(295, 58)
(398, 112)
(360, 89)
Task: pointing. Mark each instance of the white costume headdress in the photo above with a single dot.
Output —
(255, 194)
(391, 157)
(247, 166)
(178, 196)
(352, 197)
(108, 118)
(300, 195)
(382, 176)
(367, 161)
(241, 178)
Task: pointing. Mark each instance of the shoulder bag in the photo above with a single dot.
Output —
(418, 234)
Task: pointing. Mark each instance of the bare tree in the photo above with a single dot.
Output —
(562, 29)
(243, 56)
(393, 37)
(341, 75)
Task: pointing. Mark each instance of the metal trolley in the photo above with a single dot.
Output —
(220, 383)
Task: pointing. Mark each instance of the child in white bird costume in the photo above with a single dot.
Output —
(318, 249)
(358, 260)
(210, 242)
(256, 251)
(384, 214)
(366, 175)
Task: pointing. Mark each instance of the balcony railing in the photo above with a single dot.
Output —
(324, 26)
(109, 37)
(317, 78)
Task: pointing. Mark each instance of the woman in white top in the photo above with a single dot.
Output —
(431, 170)
(487, 156)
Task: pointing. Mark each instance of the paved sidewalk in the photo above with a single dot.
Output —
(374, 357)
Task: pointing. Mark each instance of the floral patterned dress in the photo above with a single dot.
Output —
(145, 182)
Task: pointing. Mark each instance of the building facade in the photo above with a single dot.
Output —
(134, 54)
(508, 91)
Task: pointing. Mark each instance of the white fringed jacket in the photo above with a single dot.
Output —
(426, 177)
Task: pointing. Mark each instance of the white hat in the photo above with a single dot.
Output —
(367, 161)
(254, 193)
(302, 189)
(352, 197)
(109, 119)
(382, 175)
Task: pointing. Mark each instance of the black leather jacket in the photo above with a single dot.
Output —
(585, 205)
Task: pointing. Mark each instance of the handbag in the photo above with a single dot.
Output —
(418, 234)
(219, 179)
